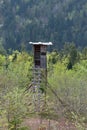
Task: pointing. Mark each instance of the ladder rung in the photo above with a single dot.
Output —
(37, 79)
(35, 82)
(36, 72)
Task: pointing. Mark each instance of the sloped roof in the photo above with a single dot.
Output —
(41, 43)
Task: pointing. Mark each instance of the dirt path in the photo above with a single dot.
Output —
(36, 123)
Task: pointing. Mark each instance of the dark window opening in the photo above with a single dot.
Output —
(37, 63)
(43, 53)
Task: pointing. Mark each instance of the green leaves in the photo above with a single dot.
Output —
(14, 101)
(67, 88)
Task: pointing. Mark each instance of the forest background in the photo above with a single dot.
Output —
(58, 21)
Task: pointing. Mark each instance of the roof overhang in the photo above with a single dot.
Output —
(41, 43)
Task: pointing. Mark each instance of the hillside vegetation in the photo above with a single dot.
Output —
(66, 93)
(58, 21)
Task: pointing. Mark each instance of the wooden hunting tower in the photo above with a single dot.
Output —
(39, 72)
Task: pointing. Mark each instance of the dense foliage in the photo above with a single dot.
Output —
(15, 77)
(65, 94)
(58, 21)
